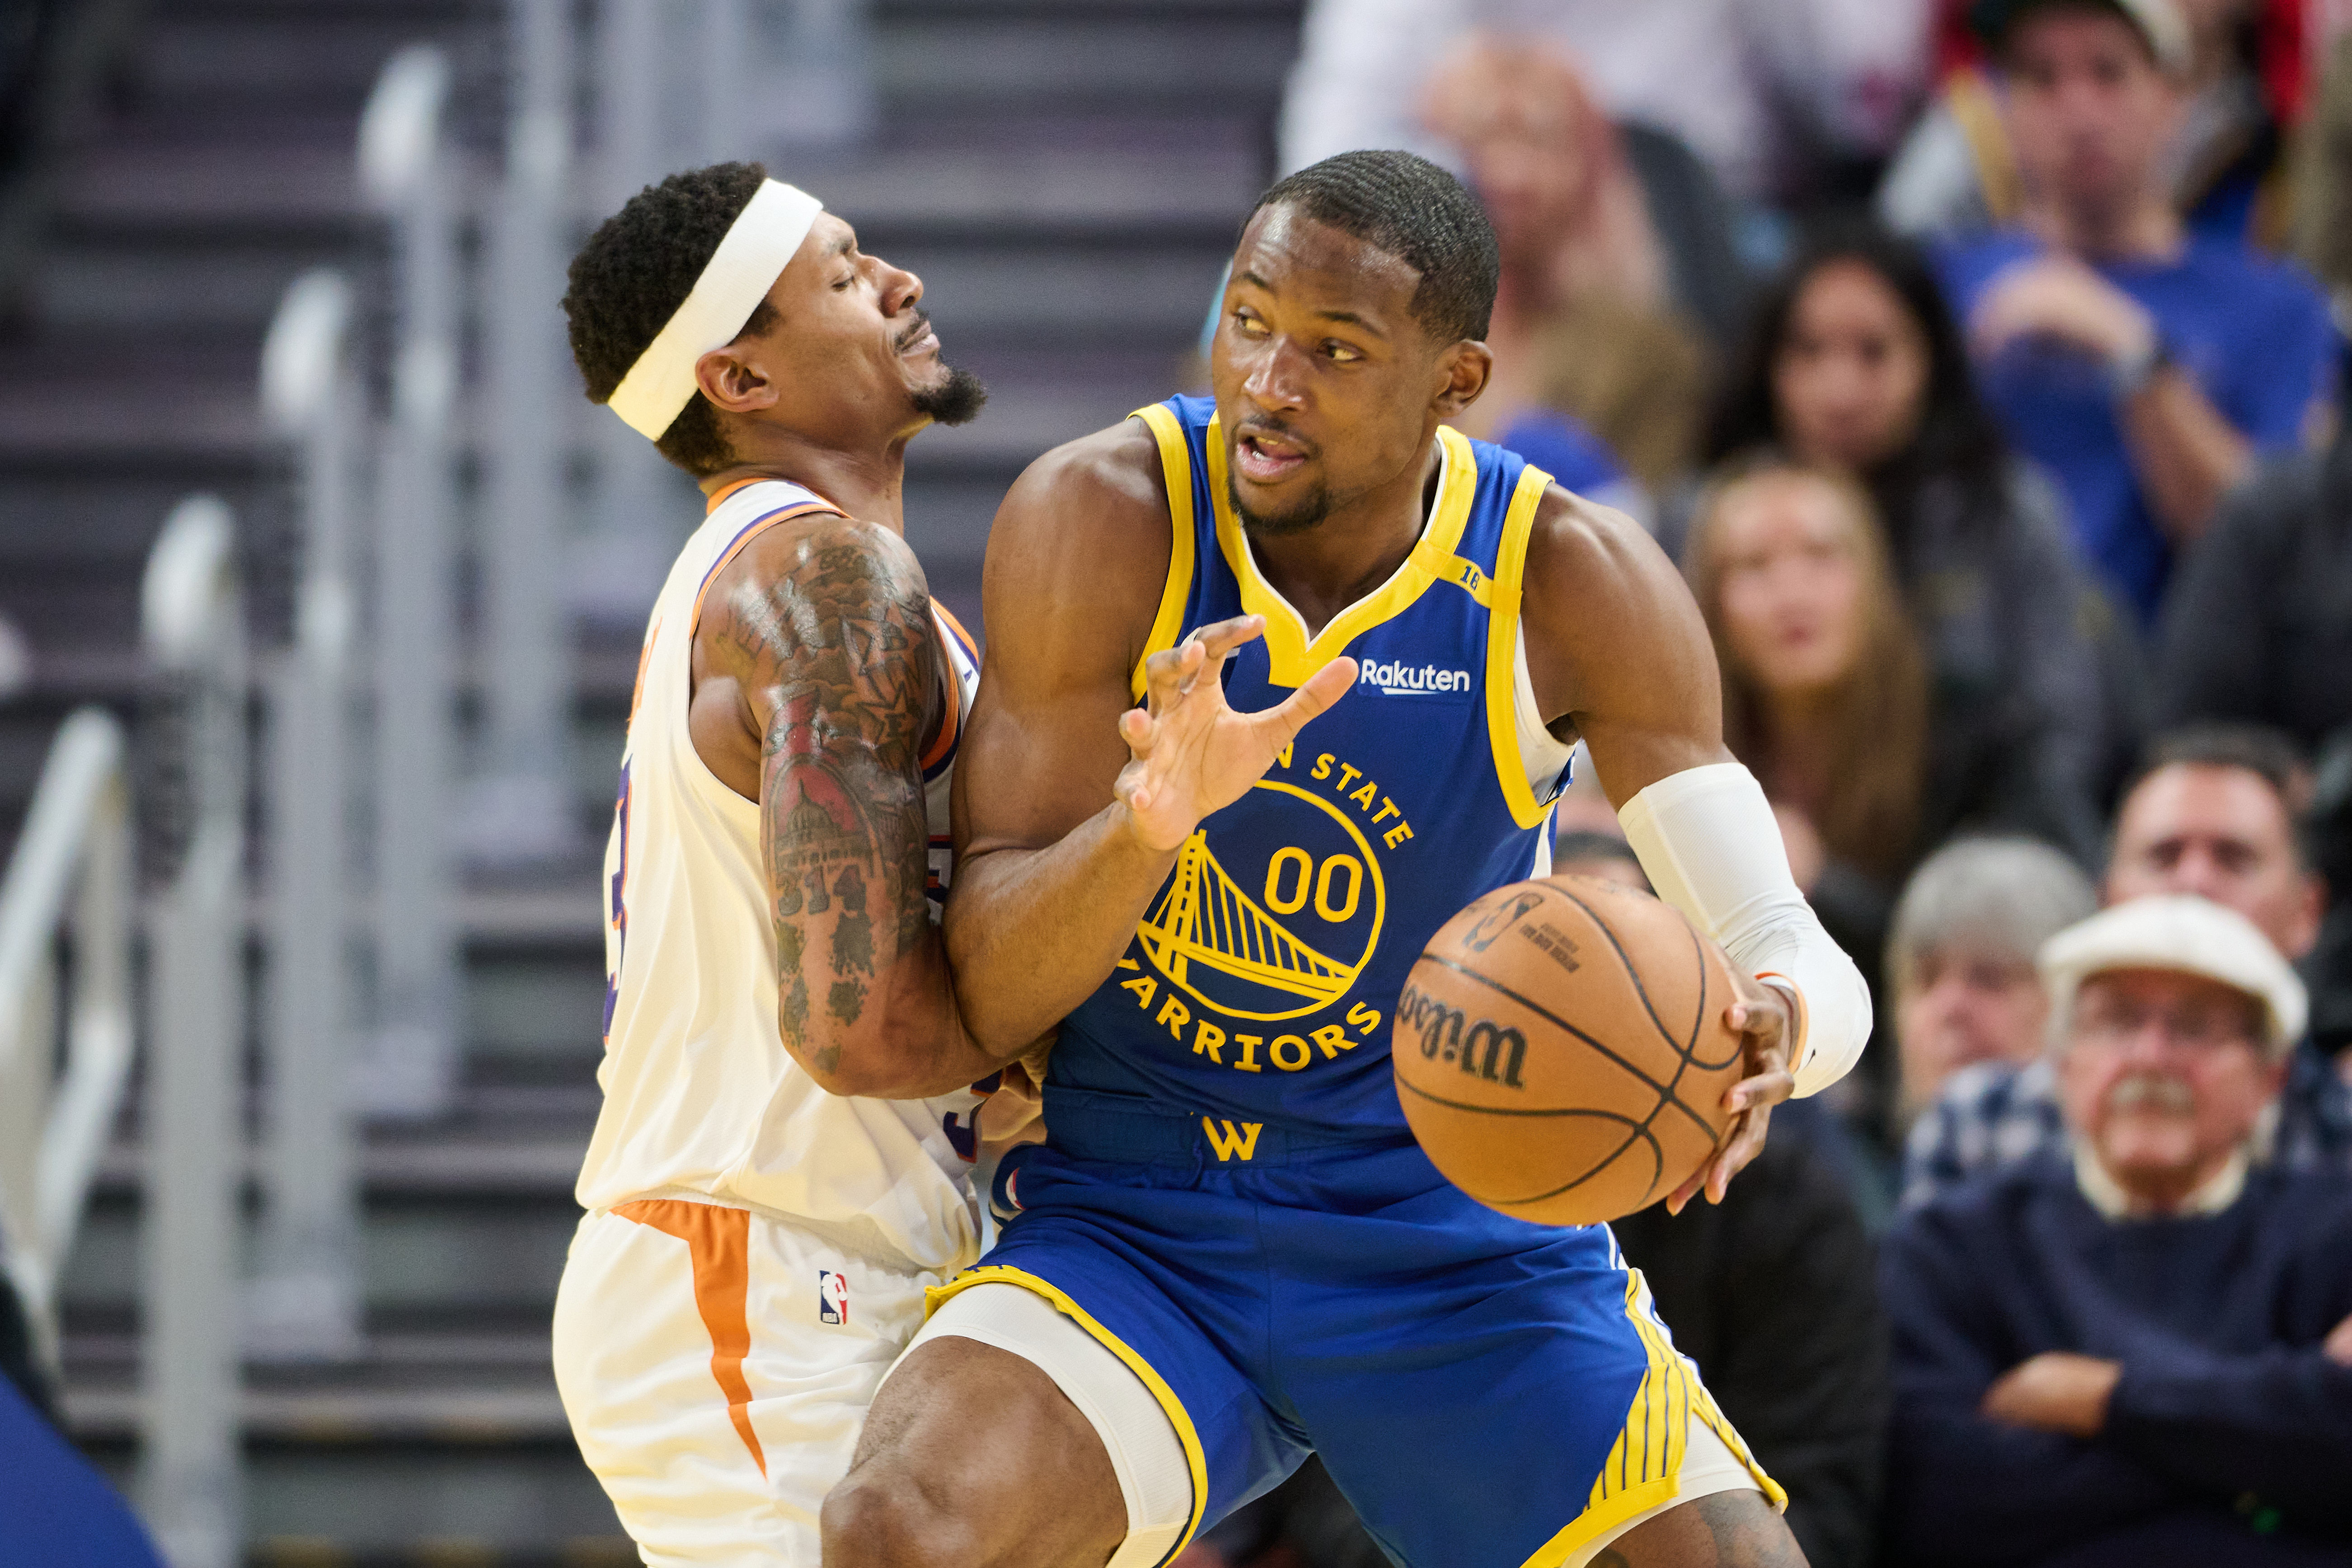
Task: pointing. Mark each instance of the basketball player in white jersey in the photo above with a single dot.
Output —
(758, 1240)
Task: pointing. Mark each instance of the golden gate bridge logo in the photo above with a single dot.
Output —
(1206, 920)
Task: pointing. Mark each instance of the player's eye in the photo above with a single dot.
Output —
(844, 281)
(1341, 353)
(1249, 326)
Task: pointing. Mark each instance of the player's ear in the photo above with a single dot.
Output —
(1465, 369)
(734, 381)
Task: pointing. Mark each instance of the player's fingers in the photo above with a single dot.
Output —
(1168, 675)
(1761, 1091)
(1138, 730)
(1220, 637)
(1322, 689)
(1747, 1142)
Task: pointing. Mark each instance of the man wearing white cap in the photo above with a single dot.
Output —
(757, 1241)
(2139, 1351)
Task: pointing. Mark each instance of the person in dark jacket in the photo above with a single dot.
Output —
(2136, 1353)
(2257, 627)
(1853, 361)
(1771, 1293)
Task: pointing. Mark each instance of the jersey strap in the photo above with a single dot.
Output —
(1176, 467)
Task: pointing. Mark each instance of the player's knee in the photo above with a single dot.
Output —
(879, 1517)
(1723, 1529)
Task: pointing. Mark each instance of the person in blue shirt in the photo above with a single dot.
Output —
(2142, 364)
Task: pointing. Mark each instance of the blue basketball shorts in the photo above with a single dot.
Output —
(1485, 1391)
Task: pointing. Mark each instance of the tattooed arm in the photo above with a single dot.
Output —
(818, 679)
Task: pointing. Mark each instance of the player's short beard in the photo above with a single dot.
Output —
(1308, 514)
(954, 401)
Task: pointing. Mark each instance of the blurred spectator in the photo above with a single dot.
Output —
(1959, 958)
(2142, 364)
(1826, 698)
(1778, 96)
(1771, 1293)
(2212, 813)
(2258, 625)
(1853, 362)
(2226, 167)
(1598, 317)
(1824, 692)
(2139, 1352)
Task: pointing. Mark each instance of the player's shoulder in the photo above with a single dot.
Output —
(1103, 481)
(1579, 548)
(1088, 515)
(823, 550)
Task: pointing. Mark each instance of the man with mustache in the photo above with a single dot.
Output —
(2211, 811)
(759, 1236)
(2137, 1351)
(1277, 682)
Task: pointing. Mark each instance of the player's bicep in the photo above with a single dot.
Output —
(1072, 579)
(1615, 641)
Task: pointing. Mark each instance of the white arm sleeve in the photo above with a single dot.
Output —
(1708, 838)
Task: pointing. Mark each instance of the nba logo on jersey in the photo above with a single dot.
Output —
(832, 1297)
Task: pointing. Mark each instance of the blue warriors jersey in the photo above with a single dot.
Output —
(1260, 983)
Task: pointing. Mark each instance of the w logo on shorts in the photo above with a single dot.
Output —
(832, 1297)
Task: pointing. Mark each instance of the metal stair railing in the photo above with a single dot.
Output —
(194, 628)
(305, 1301)
(407, 171)
(520, 811)
(69, 877)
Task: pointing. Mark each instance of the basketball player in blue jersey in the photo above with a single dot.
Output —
(1360, 646)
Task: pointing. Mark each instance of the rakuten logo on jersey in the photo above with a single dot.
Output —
(1401, 680)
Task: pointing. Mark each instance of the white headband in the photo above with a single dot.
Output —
(742, 270)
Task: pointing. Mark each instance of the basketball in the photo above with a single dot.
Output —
(1560, 1049)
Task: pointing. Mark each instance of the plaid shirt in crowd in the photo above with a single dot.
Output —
(1992, 1115)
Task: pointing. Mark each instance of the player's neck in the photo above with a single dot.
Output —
(869, 486)
(1358, 546)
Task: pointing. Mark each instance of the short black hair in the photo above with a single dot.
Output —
(2270, 755)
(1416, 212)
(634, 272)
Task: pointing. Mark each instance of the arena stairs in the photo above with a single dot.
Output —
(1065, 173)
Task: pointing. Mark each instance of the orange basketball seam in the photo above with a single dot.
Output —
(1688, 1048)
(1641, 1130)
(1683, 1052)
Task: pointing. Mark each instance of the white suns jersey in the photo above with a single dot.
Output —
(700, 1096)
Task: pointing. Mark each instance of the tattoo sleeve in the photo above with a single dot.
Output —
(842, 645)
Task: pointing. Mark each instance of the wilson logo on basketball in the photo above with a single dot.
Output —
(1484, 1050)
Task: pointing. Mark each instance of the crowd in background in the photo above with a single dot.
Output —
(1977, 362)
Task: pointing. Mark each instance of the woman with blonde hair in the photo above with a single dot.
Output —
(1827, 696)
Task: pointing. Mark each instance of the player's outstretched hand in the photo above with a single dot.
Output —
(1762, 1014)
(1190, 753)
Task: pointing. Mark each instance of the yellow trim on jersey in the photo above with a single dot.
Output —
(1502, 650)
(1644, 1467)
(1176, 463)
(1291, 657)
(937, 1295)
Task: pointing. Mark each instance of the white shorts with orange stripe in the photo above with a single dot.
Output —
(717, 1365)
